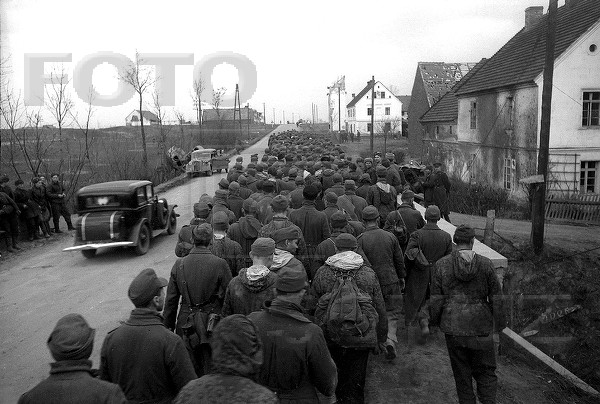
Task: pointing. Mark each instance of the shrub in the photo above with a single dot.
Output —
(477, 199)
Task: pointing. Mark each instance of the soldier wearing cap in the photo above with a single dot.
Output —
(141, 355)
(253, 285)
(245, 192)
(350, 202)
(234, 200)
(286, 247)
(383, 251)
(406, 215)
(296, 197)
(313, 223)
(235, 172)
(382, 195)
(337, 187)
(365, 184)
(331, 205)
(247, 229)
(297, 362)
(185, 241)
(220, 205)
(441, 190)
(435, 243)
(198, 282)
(71, 380)
(224, 247)
(466, 303)
(264, 205)
(351, 362)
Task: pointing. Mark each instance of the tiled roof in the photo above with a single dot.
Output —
(360, 95)
(446, 109)
(521, 59)
(439, 77)
(149, 115)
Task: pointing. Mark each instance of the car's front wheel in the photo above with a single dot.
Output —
(172, 226)
(143, 244)
(89, 253)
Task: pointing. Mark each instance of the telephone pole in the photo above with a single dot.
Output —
(372, 112)
(264, 115)
(539, 190)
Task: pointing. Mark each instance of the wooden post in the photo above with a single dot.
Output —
(489, 227)
(372, 112)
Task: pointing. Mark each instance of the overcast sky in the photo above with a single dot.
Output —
(299, 48)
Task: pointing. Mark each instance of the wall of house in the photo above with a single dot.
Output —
(575, 71)
(504, 138)
(418, 106)
(361, 118)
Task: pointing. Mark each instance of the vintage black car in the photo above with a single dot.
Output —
(120, 214)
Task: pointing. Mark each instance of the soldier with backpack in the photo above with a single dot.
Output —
(348, 304)
(382, 195)
(405, 220)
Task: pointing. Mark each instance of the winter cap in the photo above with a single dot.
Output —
(331, 197)
(145, 286)
(243, 180)
(463, 234)
(223, 184)
(236, 347)
(432, 213)
(234, 186)
(285, 233)
(299, 180)
(368, 160)
(207, 199)
(201, 210)
(280, 203)
(346, 240)
(250, 205)
(381, 171)
(337, 177)
(239, 159)
(365, 178)
(310, 192)
(71, 339)
(406, 195)
(390, 156)
(291, 281)
(263, 247)
(202, 232)
(221, 193)
(220, 221)
(338, 220)
(268, 186)
(350, 185)
(370, 213)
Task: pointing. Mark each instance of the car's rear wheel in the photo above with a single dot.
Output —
(143, 244)
(172, 223)
(89, 253)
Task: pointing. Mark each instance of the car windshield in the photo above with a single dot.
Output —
(102, 201)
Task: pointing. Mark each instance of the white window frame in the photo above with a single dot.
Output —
(587, 109)
(584, 176)
(509, 173)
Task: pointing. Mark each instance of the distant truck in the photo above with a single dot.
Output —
(206, 161)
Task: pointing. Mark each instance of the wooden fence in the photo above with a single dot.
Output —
(581, 208)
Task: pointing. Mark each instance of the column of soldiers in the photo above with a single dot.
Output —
(34, 206)
(253, 310)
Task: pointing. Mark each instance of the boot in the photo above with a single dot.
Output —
(9, 245)
(14, 244)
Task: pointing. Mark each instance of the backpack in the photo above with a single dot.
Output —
(400, 230)
(346, 314)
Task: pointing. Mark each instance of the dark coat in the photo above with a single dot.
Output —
(383, 251)
(264, 207)
(435, 243)
(412, 219)
(296, 197)
(282, 222)
(207, 277)
(384, 201)
(245, 192)
(148, 361)
(235, 203)
(71, 382)
(441, 190)
(353, 204)
(337, 189)
(428, 186)
(230, 251)
(466, 297)
(296, 358)
(53, 191)
(327, 248)
(243, 296)
(363, 191)
(245, 232)
(314, 226)
(29, 208)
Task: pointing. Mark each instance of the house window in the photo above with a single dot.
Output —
(587, 179)
(387, 127)
(591, 108)
(450, 129)
(387, 110)
(437, 130)
(509, 173)
(473, 115)
(369, 111)
(369, 127)
(382, 94)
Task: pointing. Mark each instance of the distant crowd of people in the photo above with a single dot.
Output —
(35, 206)
(287, 279)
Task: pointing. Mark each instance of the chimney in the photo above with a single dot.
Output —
(353, 95)
(533, 15)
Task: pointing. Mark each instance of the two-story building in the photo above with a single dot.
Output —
(387, 113)
(499, 106)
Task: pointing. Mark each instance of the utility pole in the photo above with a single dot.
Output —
(283, 117)
(372, 111)
(248, 120)
(273, 116)
(237, 108)
(264, 115)
(339, 109)
(539, 190)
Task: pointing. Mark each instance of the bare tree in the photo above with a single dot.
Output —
(140, 79)
(217, 100)
(197, 89)
(180, 121)
(60, 104)
(388, 126)
(161, 114)
(13, 114)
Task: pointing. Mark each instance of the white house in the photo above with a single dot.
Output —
(499, 108)
(388, 110)
(133, 119)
